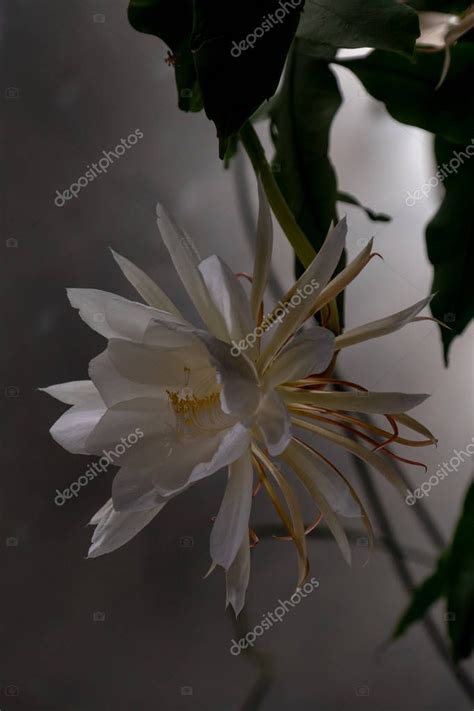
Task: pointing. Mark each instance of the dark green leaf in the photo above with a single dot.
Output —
(371, 214)
(235, 80)
(171, 21)
(302, 118)
(450, 240)
(424, 596)
(460, 574)
(408, 89)
(386, 24)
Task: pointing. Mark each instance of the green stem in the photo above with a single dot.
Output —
(302, 247)
(296, 237)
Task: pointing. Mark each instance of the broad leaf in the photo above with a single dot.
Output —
(453, 580)
(386, 24)
(430, 590)
(450, 241)
(240, 51)
(460, 577)
(408, 89)
(171, 21)
(301, 122)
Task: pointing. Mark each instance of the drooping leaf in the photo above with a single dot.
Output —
(171, 21)
(453, 580)
(408, 89)
(386, 24)
(371, 214)
(240, 51)
(302, 117)
(460, 579)
(430, 590)
(450, 240)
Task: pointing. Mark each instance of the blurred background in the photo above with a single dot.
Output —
(140, 628)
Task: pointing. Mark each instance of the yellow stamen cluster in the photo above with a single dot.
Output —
(191, 409)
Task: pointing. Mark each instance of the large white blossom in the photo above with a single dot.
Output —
(204, 404)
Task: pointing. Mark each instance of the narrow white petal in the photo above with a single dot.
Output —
(198, 457)
(73, 429)
(309, 352)
(295, 458)
(263, 252)
(185, 258)
(115, 317)
(238, 576)
(114, 528)
(307, 289)
(73, 393)
(382, 403)
(241, 393)
(146, 287)
(332, 486)
(229, 297)
(273, 422)
(232, 521)
(133, 490)
(381, 327)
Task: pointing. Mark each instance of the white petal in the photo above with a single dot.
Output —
(114, 528)
(229, 297)
(115, 317)
(232, 521)
(309, 352)
(238, 576)
(146, 287)
(263, 252)
(310, 284)
(294, 456)
(381, 403)
(73, 429)
(73, 393)
(199, 457)
(133, 490)
(381, 327)
(332, 486)
(185, 258)
(274, 423)
(150, 417)
(240, 394)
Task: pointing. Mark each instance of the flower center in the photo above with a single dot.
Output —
(204, 412)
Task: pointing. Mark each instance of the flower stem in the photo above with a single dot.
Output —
(302, 247)
(298, 240)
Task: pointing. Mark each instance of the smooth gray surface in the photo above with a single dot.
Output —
(84, 85)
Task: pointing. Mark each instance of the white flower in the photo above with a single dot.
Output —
(441, 31)
(201, 407)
